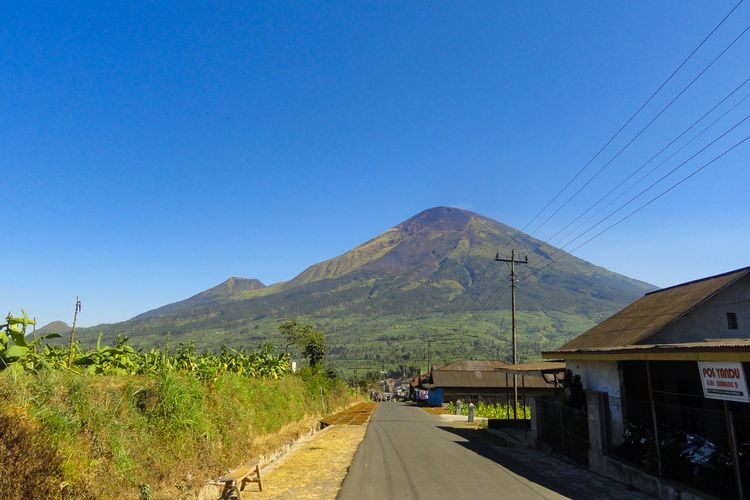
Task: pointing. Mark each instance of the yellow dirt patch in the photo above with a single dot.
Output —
(437, 410)
(316, 469)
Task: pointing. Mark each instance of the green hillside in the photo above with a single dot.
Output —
(432, 276)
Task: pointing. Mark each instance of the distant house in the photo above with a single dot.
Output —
(484, 380)
(646, 373)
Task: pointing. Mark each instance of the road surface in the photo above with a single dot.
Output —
(410, 454)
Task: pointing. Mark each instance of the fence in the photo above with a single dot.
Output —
(690, 445)
(564, 429)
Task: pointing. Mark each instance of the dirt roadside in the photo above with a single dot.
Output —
(316, 467)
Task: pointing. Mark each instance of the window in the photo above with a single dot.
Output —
(732, 321)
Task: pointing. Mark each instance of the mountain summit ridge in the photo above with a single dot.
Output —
(420, 267)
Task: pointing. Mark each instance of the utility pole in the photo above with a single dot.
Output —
(73, 333)
(429, 354)
(513, 282)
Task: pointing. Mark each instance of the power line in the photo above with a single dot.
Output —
(657, 154)
(633, 116)
(643, 129)
(653, 184)
(649, 202)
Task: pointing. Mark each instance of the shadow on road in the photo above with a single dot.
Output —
(532, 465)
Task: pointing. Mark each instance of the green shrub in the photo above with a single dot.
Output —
(139, 429)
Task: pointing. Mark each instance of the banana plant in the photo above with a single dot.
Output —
(15, 348)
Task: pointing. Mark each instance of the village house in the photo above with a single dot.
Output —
(485, 380)
(666, 390)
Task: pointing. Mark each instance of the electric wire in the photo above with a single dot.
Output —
(643, 165)
(643, 129)
(650, 186)
(644, 205)
(632, 117)
(652, 170)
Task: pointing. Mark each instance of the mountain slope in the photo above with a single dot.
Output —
(437, 264)
(54, 327)
(225, 290)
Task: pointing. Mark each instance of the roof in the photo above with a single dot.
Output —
(478, 378)
(650, 314)
(486, 365)
(416, 381)
(708, 350)
(539, 367)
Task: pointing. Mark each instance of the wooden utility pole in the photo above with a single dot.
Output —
(429, 354)
(73, 333)
(513, 282)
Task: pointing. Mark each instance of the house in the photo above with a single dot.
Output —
(484, 380)
(656, 391)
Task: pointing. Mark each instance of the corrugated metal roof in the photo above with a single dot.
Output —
(478, 378)
(650, 314)
(474, 364)
(538, 367)
(728, 345)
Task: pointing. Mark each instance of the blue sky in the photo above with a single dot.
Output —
(151, 150)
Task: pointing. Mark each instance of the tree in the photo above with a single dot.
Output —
(306, 338)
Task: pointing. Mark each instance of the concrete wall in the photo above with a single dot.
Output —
(709, 321)
(603, 376)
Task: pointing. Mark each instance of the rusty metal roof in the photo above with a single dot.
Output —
(709, 350)
(478, 378)
(474, 364)
(537, 368)
(650, 314)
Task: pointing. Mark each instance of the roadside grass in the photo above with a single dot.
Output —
(93, 436)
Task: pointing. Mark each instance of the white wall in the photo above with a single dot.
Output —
(603, 376)
(709, 320)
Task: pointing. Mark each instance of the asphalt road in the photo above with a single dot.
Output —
(410, 454)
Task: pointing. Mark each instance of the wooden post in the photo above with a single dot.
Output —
(653, 417)
(507, 396)
(732, 438)
(562, 427)
(523, 388)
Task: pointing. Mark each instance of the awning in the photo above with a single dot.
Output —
(709, 350)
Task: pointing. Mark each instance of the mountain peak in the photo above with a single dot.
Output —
(54, 327)
(438, 218)
(236, 283)
(424, 274)
(233, 286)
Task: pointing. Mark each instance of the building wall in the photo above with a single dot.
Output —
(603, 376)
(709, 321)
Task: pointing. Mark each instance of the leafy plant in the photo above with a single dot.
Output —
(489, 410)
(123, 359)
(310, 341)
(15, 348)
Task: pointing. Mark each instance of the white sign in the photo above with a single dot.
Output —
(724, 381)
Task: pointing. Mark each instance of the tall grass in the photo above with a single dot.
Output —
(116, 436)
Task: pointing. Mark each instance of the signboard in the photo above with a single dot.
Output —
(724, 381)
